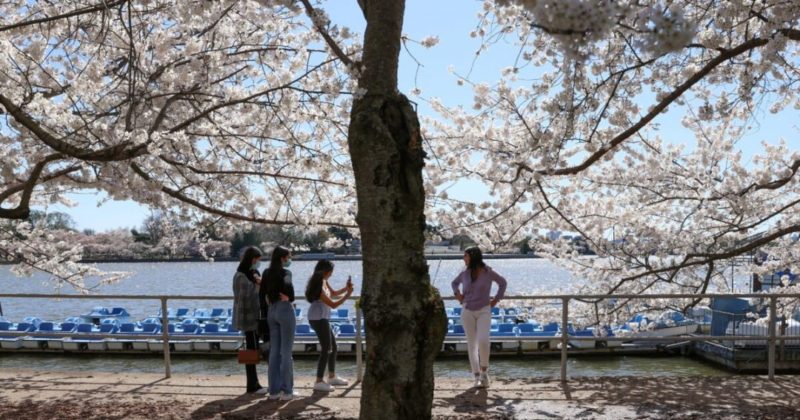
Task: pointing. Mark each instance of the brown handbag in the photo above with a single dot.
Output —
(249, 357)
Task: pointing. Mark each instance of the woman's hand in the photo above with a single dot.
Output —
(283, 297)
(459, 297)
(493, 302)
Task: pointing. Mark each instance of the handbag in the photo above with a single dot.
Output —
(249, 357)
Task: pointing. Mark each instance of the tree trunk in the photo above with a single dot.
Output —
(404, 314)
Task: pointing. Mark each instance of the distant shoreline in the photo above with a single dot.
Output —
(297, 257)
(309, 257)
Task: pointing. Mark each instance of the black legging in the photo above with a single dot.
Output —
(251, 343)
(327, 343)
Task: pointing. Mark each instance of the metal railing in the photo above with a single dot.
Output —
(564, 337)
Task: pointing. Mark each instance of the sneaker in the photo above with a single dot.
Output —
(289, 397)
(262, 391)
(337, 381)
(322, 386)
(274, 396)
(484, 380)
(477, 382)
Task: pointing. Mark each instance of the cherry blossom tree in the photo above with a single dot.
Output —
(218, 109)
(236, 110)
(267, 112)
(570, 139)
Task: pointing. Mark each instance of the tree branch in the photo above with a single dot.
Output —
(176, 194)
(253, 173)
(661, 105)
(22, 211)
(122, 151)
(104, 6)
(328, 40)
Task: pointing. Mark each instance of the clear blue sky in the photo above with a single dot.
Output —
(451, 21)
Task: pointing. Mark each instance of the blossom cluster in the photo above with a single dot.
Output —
(234, 110)
(572, 140)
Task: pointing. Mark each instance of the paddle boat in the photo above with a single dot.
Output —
(157, 344)
(76, 342)
(534, 336)
(305, 339)
(348, 332)
(235, 343)
(100, 313)
(184, 337)
(504, 338)
(13, 342)
(39, 342)
(201, 343)
(667, 324)
(604, 331)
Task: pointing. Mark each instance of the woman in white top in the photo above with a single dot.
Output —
(320, 294)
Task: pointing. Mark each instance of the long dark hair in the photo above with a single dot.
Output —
(314, 287)
(246, 263)
(475, 260)
(276, 272)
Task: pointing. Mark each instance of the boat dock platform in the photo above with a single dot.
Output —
(747, 359)
(721, 333)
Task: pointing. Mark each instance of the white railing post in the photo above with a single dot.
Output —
(359, 357)
(773, 320)
(564, 322)
(165, 337)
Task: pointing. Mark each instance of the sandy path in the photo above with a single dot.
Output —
(32, 394)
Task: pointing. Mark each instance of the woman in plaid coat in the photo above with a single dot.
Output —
(246, 311)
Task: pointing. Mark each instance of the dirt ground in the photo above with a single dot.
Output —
(26, 394)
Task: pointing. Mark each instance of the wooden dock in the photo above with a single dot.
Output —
(752, 359)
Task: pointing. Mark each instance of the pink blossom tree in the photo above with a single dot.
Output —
(266, 112)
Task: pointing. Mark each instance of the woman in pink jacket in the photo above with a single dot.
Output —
(473, 287)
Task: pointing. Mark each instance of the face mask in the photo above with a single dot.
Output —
(287, 263)
(256, 265)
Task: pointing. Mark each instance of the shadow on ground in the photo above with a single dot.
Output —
(111, 396)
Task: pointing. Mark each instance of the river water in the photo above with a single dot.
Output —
(214, 279)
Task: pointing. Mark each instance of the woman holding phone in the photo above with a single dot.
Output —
(323, 298)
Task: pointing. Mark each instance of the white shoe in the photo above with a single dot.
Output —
(477, 382)
(322, 386)
(262, 391)
(274, 397)
(484, 380)
(337, 381)
(289, 397)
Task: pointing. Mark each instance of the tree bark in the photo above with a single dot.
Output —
(404, 314)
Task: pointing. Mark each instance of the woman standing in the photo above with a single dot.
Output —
(476, 313)
(321, 295)
(279, 292)
(246, 284)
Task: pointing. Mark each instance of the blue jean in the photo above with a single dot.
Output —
(281, 320)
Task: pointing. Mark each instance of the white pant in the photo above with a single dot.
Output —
(476, 326)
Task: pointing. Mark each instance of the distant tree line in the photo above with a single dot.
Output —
(161, 236)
